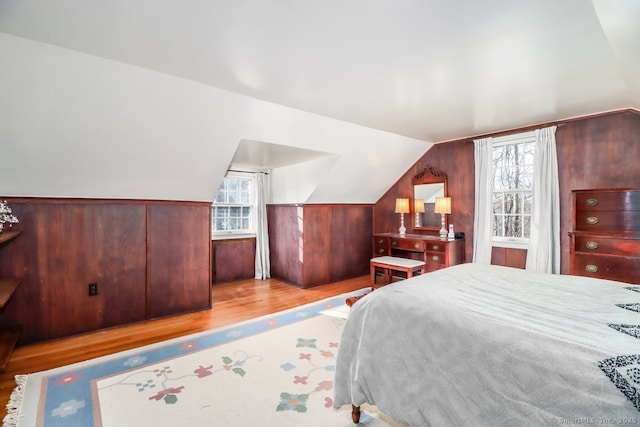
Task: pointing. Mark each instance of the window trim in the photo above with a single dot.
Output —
(237, 234)
(510, 242)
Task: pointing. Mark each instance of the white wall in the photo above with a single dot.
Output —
(76, 125)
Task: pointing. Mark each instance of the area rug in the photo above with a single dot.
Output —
(276, 370)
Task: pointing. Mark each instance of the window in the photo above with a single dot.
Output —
(234, 207)
(512, 189)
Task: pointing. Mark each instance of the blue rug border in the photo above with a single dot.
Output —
(78, 380)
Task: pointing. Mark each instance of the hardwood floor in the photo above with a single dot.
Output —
(232, 302)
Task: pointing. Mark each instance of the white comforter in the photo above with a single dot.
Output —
(477, 345)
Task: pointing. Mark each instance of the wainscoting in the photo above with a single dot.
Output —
(312, 245)
(149, 259)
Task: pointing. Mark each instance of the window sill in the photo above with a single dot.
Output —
(511, 244)
(233, 236)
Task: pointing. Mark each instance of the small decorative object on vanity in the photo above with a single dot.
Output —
(443, 207)
(6, 216)
(402, 207)
(451, 234)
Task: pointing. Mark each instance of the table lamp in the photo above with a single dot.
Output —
(443, 207)
(402, 207)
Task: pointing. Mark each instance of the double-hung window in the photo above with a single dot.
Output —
(233, 211)
(512, 189)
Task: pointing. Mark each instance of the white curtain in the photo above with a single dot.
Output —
(482, 222)
(263, 265)
(543, 254)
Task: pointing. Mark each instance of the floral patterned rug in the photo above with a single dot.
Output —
(271, 371)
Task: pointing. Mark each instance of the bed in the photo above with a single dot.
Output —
(486, 345)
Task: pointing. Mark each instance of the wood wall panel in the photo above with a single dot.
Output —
(68, 243)
(337, 242)
(594, 152)
(317, 244)
(233, 259)
(178, 258)
(285, 242)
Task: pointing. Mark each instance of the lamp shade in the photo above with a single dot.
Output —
(443, 205)
(402, 205)
(418, 205)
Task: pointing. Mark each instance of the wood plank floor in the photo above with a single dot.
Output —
(232, 302)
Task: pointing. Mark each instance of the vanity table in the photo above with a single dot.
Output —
(436, 253)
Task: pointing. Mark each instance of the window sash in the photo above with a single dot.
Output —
(233, 211)
(513, 165)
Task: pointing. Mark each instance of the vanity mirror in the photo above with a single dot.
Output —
(427, 185)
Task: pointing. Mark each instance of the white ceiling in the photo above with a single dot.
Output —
(430, 70)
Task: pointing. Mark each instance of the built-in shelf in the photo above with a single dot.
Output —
(8, 336)
(5, 236)
(8, 339)
(7, 288)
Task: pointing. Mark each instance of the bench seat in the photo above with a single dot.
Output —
(390, 263)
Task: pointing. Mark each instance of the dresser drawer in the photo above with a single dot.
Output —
(436, 247)
(611, 221)
(416, 245)
(595, 244)
(436, 258)
(607, 201)
(381, 246)
(607, 267)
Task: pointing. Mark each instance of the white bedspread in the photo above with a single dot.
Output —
(478, 345)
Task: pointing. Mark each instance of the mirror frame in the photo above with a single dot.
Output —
(429, 175)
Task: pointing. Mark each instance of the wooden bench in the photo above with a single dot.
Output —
(388, 264)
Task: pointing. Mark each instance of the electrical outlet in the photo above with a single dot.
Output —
(93, 289)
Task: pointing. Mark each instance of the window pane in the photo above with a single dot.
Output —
(512, 226)
(498, 199)
(527, 203)
(527, 226)
(498, 225)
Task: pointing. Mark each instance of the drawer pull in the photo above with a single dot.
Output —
(592, 220)
(380, 241)
(590, 268)
(394, 243)
(592, 202)
(435, 258)
(591, 245)
(436, 247)
(380, 251)
(417, 245)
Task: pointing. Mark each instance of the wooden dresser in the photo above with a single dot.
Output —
(436, 253)
(605, 242)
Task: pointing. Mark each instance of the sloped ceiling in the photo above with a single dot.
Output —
(407, 70)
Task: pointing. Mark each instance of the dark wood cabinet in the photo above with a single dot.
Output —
(435, 252)
(178, 277)
(148, 259)
(605, 242)
(8, 335)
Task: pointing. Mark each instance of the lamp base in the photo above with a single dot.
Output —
(402, 230)
(443, 234)
(443, 229)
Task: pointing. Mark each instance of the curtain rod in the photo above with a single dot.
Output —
(240, 171)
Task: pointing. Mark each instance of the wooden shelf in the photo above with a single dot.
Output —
(5, 236)
(8, 336)
(7, 288)
(8, 340)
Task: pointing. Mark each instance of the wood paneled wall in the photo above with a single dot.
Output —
(594, 152)
(233, 259)
(149, 259)
(317, 244)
